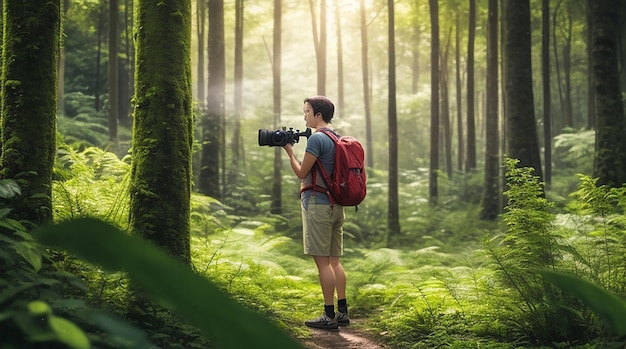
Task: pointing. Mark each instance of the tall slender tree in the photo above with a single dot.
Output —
(277, 201)
(112, 71)
(521, 129)
(29, 91)
(470, 159)
(547, 100)
(238, 98)
(610, 153)
(319, 42)
(163, 126)
(212, 122)
(393, 214)
(490, 203)
(433, 188)
(340, 83)
(459, 98)
(369, 157)
(200, 69)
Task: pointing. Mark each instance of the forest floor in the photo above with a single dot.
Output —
(349, 337)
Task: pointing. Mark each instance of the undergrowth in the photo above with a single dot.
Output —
(441, 289)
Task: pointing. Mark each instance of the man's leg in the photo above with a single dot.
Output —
(327, 278)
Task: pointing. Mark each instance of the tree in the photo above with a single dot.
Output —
(277, 202)
(393, 218)
(161, 177)
(610, 152)
(519, 107)
(545, 79)
(319, 42)
(490, 203)
(446, 128)
(459, 100)
(200, 32)
(209, 182)
(433, 191)
(366, 88)
(340, 83)
(238, 98)
(29, 92)
(470, 159)
(113, 73)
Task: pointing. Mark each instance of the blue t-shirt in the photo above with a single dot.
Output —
(323, 147)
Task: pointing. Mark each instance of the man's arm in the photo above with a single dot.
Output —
(300, 169)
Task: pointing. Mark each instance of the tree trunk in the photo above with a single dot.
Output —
(393, 218)
(277, 201)
(200, 32)
(340, 82)
(113, 73)
(521, 129)
(29, 96)
(545, 76)
(491, 199)
(163, 126)
(459, 100)
(433, 192)
(319, 42)
(238, 100)
(445, 111)
(366, 89)
(610, 154)
(470, 160)
(212, 130)
(591, 93)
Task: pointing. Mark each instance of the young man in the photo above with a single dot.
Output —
(322, 223)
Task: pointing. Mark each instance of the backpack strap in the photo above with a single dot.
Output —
(325, 176)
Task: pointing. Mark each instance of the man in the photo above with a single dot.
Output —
(322, 221)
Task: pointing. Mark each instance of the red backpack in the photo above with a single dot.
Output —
(347, 186)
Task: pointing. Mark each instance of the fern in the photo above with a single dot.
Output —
(530, 243)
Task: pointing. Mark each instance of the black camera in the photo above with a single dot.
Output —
(281, 137)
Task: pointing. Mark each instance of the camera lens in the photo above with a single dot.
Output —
(279, 138)
(265, 137)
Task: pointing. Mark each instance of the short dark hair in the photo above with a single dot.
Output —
(322, 105)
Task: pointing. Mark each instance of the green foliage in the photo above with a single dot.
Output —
(83, 125)
(530, 244)
(91, 183)
(170, 283)
(602, 246)
(574, 151)
(610, 307)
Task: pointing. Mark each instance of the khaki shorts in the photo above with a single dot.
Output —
(322, 229)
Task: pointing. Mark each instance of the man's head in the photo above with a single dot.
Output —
(322, 105)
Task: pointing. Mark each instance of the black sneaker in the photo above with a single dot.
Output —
(324, 322)
(342, 319)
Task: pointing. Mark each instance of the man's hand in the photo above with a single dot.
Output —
(289, 149)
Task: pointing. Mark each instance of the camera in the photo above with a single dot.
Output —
(281, 137)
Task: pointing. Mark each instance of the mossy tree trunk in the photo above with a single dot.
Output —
(163, 123)
(610, 156)
(521, 134)
(29, 102)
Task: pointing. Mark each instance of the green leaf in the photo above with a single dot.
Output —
(67, 332)
(608, 305)
(223, 320)
(9, 188)
(39, 308)
(30, 253)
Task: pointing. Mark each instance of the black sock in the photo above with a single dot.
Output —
(342, 305)
(330, 311)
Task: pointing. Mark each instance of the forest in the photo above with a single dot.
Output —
(138, 210)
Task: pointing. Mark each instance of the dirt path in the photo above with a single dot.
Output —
(349, 337)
